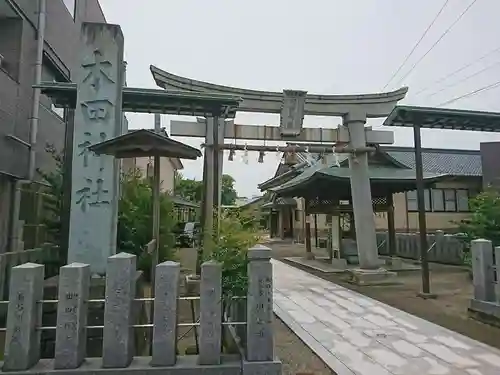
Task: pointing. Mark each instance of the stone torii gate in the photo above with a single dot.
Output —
(292, 105)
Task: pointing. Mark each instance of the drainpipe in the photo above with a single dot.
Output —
(36, 91)
(14, 230)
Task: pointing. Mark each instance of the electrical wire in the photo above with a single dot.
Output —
(437, 41)
(469, 64)
(416, 44)
(491, 66)
(472, 93)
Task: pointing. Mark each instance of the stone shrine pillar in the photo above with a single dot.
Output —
(98, 116)
(361, 193)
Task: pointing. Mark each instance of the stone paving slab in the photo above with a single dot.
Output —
(356, 335)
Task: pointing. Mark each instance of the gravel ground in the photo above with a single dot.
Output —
(295, 355)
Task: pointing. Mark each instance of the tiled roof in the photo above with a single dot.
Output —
(452, 162)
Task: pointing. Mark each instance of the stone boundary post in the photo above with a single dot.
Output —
(210, 313)
(165, 314)
(482, 270)
(260, 344)
(71, 332)
(497, 273)
(22, 340)
(118, 333)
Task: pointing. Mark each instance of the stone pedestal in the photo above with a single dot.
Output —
(349, 251)
(379, 276)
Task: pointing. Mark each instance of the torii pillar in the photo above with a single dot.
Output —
(361, 193)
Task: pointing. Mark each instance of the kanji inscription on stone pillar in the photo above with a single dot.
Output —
(98, 116)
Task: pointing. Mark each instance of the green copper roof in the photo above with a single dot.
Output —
(444, 118)
(384, 179)
(153, 100)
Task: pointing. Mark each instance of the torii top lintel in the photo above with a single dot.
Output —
(374, 105)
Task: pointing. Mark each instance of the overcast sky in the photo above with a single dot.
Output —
(321, 46)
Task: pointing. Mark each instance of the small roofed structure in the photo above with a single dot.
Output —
(333, 183)
(326, 189)
(143, 143)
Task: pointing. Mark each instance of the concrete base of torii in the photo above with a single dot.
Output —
(378, 276)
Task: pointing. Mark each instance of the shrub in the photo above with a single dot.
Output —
(237, 235)
(135, 221)
(484, 221)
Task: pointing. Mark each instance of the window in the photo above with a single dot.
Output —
(440, 200)
(11, 29)
(462, 200)
(49, 75)
(437, 200)
(450, 200)
(412, 201)
(70, 5)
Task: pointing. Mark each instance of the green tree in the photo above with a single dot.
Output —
(135, 221)
(52, 201)
(485, 219)
(228, 193)
(187, 188)
(192, 190)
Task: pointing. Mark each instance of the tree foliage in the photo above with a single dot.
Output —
(228, 192)
(192, 190)
(485, 219)
(52, 203)
(135, 220)
(237, 234)
(187, 188)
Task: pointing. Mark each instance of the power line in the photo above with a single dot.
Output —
(437, 41)
(417, 44)
(464, 79)
(469, 64)
(472, 93)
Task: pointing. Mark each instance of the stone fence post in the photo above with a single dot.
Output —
(118, 333)
(260, 344)
(210, 313)
(497, 272)
(22, 340)
(72, 310)
(165, 314)
(482, 270)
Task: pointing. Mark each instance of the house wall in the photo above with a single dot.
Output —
(404, 221)
(167, 171)
(408, 221)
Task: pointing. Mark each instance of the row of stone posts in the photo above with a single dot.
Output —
(24, 326)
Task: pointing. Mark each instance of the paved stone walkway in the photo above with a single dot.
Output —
(354, 334)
